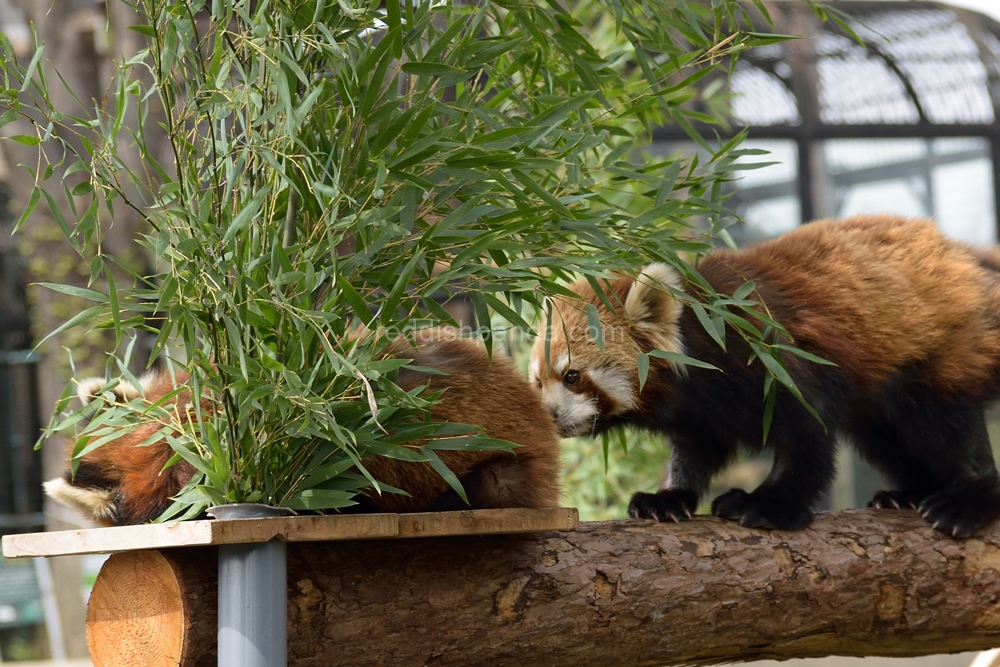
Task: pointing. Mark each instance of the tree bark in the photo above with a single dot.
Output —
(617, 594)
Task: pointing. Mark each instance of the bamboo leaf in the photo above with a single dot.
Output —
(431, 69)
(446, 474)
(88, 315)
(643, 368)
(81, 292)
(679, 358)
(595, 327)
(805, 355)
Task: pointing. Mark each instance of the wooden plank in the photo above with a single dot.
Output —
(304, 528)
(488, 522)
(201, 533)
(289, 529)
(107, 540)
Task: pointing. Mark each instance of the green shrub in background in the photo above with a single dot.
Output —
(335, 164)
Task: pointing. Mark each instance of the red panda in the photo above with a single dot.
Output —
(120, 483)
(910, 319)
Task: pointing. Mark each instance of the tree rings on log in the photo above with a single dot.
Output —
(136, 614)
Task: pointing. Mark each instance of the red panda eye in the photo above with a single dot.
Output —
(538, 383)
(571, 377)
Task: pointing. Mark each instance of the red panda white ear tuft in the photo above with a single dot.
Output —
(89, 388)
(652, 309)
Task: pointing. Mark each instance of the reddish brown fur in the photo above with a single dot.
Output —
(142, 483)
(876, 297)
(491, 396)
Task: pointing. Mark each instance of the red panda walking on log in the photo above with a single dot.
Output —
(120, 483)
(910, 318)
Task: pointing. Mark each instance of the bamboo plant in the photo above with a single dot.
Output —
(342, 163)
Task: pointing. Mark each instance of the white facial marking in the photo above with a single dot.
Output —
(574, 413)
(617, 385)
(560, 365)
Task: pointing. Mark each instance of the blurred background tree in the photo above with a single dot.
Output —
(83, 39)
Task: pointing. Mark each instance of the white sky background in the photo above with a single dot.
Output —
(990, 7)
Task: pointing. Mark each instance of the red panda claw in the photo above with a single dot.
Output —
(687, 513)
(895, 503)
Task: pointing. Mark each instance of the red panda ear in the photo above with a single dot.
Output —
(89, 388)
(652, 309)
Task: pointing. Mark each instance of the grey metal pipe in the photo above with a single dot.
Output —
(253, 597)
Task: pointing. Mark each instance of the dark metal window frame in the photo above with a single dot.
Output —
(801, 58)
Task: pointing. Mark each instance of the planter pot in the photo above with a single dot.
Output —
(247, 511)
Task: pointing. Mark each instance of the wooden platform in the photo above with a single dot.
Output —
(289, 529)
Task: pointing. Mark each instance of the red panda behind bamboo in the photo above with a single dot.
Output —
(911, 320)
(120, 483)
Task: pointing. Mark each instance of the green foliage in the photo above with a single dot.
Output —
(335, 164)
(600, 481)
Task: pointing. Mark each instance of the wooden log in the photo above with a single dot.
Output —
(617, 594)
(145, 608)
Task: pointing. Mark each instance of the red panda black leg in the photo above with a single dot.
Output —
(897, 435)
(896, 500)
(964, 508)
(761, 510)
(664, 505)
(507, 481)
(947, 472)
(693, 461)
(504, 481)
(803, 469)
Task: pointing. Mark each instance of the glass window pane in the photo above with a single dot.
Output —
(948, 179)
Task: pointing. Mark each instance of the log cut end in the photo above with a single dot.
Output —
(136, 614)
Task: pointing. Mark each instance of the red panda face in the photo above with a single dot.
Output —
(581, 396)
(120, 483)
(585, 389)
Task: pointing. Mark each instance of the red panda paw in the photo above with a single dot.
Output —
(896, 500)
(760, 510)
(666, 505)
(964, 508)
